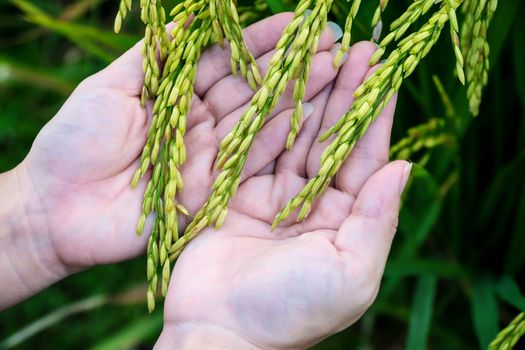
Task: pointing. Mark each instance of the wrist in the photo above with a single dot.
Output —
(197, 336)
(28, 262)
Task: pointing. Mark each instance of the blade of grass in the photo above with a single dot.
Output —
(519, 58)
(515, 258)
(103, 44)
(484, 311)
(420, 267)
(421, 313)
(500, 27)
(52, 319)
(15, 71)
(70, 12)
(131, 296)
(420, 211)
(508, 174)
(509, 291)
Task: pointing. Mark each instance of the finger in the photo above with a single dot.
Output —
(322, 73)
(260, 38)
(232, 92)
(271, 141)
(350, 77)
(366, 236)
(294, 161)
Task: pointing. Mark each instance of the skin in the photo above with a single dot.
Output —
(71, 206)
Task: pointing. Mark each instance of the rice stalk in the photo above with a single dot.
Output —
(226, 24)
(345, 42)
(399, 27)
(155, 38)
(427, 135)
(377, 23)
(153, 16)
(165, 148)
(370, 99)
(297, 42)
(476, 50)
(454, 29)
(196, 23)
(123, 9)
(510, 335)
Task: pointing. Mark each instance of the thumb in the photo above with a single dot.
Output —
(370, 228)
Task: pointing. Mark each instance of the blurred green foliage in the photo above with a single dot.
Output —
(457, 269)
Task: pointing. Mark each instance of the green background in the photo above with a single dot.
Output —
(456, 274)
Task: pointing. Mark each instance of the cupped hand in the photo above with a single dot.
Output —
(245, 285)
(77, 175)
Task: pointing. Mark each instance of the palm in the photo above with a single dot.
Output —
(304, 281)
(81, 164)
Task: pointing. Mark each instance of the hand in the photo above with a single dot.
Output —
(246, 286)
(75, 182)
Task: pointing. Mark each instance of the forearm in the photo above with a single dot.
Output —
(192, 336)
(28, 262)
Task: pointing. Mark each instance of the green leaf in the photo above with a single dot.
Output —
(519, 58)
(515, 258)
(484, 310)
(52, 319)
(421, 313)
(11, 70)
(506, 180)
(102, 44)
(278, 6)
(500, 27)
(420, 210)
(509, 291)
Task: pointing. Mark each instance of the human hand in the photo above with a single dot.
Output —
(75, 182)
(246, 286)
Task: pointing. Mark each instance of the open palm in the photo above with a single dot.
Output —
(295, 286)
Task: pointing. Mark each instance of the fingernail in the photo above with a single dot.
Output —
(335, 48)
(336, 30)
(406, 175)
(377, 31)
(308, 110)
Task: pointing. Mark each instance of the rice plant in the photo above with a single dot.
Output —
(198, 23)
(461, 227)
